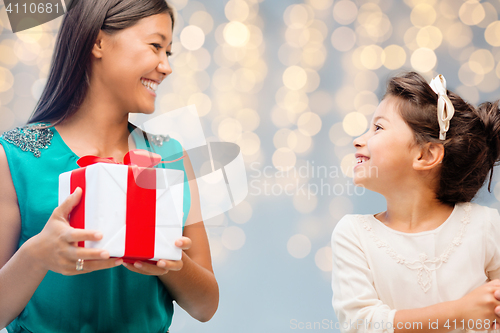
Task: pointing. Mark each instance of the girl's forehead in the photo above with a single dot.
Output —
(388, 110)
(385, 109)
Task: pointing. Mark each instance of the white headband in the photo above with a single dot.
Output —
(445, 109)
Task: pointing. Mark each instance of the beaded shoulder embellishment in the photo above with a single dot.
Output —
(29, 139)
(424, 265)
(158, 139)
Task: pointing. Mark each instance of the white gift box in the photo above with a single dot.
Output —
(111, 207)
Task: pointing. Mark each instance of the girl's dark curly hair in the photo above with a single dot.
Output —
(472, 145)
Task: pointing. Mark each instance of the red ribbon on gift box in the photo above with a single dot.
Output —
(141, 200)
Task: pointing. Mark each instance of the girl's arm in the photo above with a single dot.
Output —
(476, 310)
(432, 318)
(355, 300)
(22, 271)
(357, 303)
(478, 306)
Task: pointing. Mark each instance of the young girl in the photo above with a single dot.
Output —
(430, 262)
(110, 57)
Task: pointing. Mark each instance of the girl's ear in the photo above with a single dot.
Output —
(430, 156)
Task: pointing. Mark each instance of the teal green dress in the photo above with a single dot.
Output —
(111, 300)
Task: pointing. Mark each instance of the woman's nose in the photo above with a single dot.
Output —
(164, 66)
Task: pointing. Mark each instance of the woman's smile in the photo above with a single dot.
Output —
(139, 52)
(150, 85)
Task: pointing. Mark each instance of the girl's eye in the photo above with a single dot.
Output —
(169, 54)
(377, 127)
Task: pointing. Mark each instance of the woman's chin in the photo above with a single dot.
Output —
(147, 110)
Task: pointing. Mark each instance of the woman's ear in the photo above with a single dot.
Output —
(430, 156)
(97, 50)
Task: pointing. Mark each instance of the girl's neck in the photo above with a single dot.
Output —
(415, 211)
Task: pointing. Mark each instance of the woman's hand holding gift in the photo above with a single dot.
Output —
(57, 244)
(162, 266)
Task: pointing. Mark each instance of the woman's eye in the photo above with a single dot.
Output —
(158, 46)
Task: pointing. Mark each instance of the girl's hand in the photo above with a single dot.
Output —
(481, 306)
(56, 247)
(162, 266)
(497, 296)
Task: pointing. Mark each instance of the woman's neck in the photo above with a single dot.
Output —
(415, 211)
(96, 130)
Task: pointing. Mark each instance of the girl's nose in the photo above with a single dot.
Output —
(359, 141)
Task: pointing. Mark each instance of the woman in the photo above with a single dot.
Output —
(110, 56)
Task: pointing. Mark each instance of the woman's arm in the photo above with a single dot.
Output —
(190, 281)
(20, 275)
(22, 271)
(194, 287)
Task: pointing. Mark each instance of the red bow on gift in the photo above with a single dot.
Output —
(139, 157)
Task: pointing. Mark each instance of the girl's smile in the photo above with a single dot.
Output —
(385, 152)
(360, 159)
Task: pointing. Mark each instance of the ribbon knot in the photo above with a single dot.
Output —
(136, 157)
(445, 108)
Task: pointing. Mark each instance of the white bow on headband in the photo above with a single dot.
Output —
(445, 109)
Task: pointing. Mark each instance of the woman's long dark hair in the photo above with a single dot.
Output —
(69, 76)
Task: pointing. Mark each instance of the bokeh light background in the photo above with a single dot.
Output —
(291, 82)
